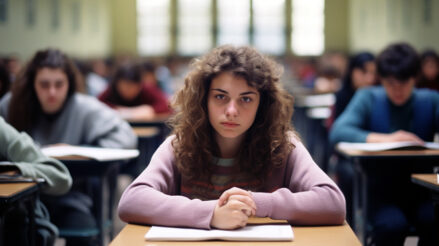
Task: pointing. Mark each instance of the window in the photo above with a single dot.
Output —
(308, 27)
(269, 26)
(3, 10)
(233, 22)
(194, 27)
(153, 23)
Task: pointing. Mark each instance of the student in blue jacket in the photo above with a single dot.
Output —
(394, 112)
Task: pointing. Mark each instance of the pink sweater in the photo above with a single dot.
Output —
(302, 194)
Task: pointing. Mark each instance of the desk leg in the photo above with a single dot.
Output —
(32, 227)
(364, 205)
(436, 216)
(100, 206)
(359, 201)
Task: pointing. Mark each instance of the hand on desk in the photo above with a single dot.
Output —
(233, 209)
(398, 136)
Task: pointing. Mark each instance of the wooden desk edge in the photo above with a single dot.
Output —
(386, 153)
(15, 188)
(132, 232)
(427, 180)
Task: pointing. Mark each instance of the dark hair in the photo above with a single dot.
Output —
(357, 61)
(5, 80)
(194, 146)
(24, 106)
(399, 61)
(127, 71)
(347, 91)
(148, 67)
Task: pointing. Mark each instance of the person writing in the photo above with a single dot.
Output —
(395, 112)
(133, 99)
(233, 154)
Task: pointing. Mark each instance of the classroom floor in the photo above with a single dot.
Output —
(124, 181)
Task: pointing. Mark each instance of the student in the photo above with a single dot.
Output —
(361, 73)
(391, 113)
(233, 154)
(429, 71)
(43, 103)
(132, 98)
(19, 156)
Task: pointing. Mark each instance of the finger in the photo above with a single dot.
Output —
(245, 199)
(232, 191)
(239, 206)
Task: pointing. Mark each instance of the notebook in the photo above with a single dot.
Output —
(100, 154)
(280, 232)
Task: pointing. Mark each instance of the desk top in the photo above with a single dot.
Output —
(426, 180)
(9, 190)
(133, 235)
(146, 131)
(159, 120)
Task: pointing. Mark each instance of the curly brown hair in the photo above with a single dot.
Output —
(266, 144)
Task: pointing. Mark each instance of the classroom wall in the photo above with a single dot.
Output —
(83, 28)
(124, 27)
(377, 23)
(336, 25)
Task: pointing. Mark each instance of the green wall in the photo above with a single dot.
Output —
(336, 25)
(83, 28)
(377, 23)
(108, 27)
(124, 27)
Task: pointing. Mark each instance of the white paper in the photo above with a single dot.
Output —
(100, 154)
(248, 233)
(385, 146)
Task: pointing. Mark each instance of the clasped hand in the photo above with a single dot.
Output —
(233, 209)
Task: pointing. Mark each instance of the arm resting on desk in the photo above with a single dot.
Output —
(20, 150)
(308, 196)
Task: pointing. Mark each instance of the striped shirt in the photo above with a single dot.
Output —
(225, 175)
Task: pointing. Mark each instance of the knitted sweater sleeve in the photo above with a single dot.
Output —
(308, 195)
(153, 197)
(20, 150)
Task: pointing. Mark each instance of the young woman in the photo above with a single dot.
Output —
(44, 103)
(361, 73)
(233, 154)
(132, 98)
(429, 76)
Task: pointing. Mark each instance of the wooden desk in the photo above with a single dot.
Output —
(429, 181)
(133, 235)
(146, 131)
(310, 113)
(10, 195)
(364, 161)
(159, 120)
(149, 138)
(105, 173)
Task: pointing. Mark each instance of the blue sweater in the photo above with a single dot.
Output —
(358, 119)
